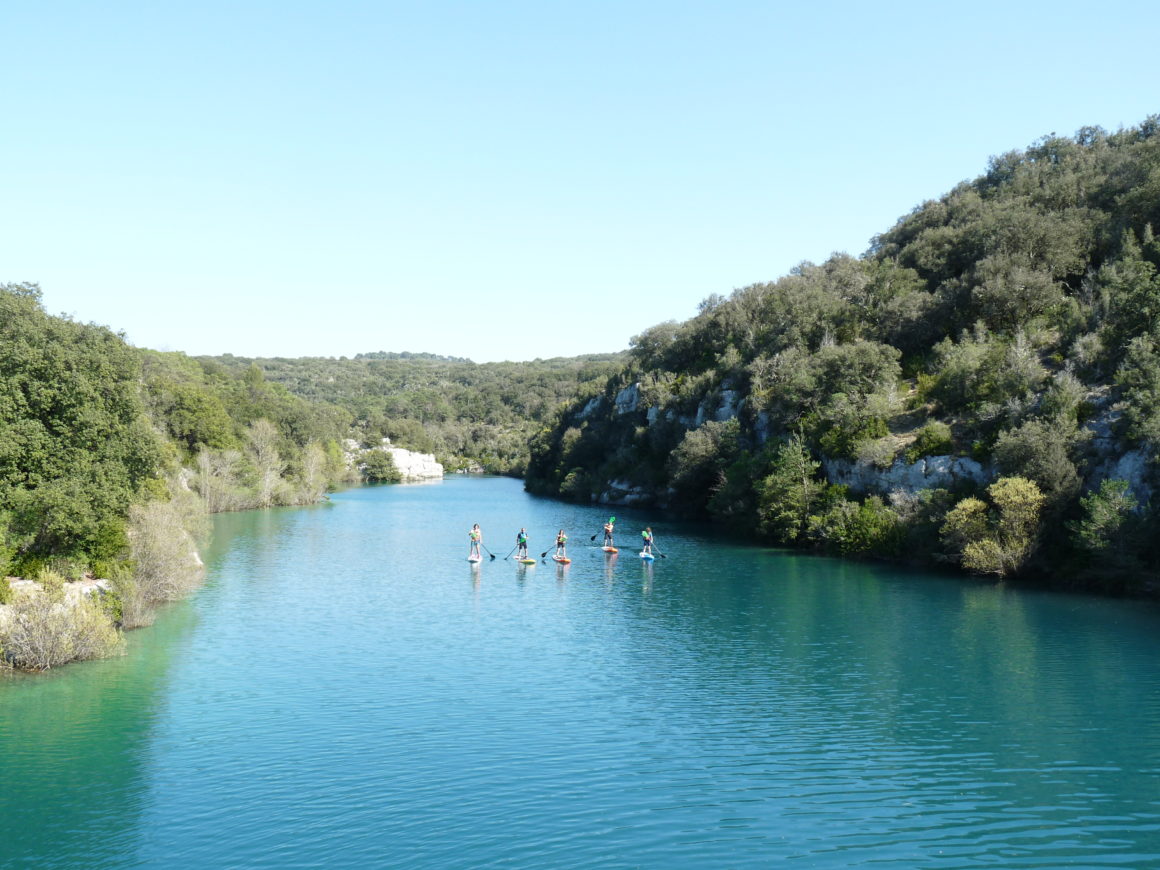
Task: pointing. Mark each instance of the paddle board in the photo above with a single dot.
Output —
(610, 549)
(648, 557)
(563, 561)
(526, 561)
(475, 558)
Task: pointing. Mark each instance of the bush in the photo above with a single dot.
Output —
(40, 632)
(849, 528)
(934, 439)
(697, 467)
(1038, 450)
(166, 566)
(1001, 539)
(52, 582)
(378, 466)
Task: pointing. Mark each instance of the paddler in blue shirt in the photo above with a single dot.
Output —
(522, 544)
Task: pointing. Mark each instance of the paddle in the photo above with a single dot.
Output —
(611, 520)
(486, 550)
(653, 549)
(509, 555)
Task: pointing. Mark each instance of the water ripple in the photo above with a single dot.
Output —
(337, 697)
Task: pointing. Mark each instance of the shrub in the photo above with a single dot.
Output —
(698, 464)
(878, 452)
(40, 632)
(166, 566)
(52, 582)
(934, 439)
(1001, 539)
(1038, 450)
(849, 528)
(378, 466)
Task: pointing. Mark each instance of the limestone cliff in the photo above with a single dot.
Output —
(413, 466)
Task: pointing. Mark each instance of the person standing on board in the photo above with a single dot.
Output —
(648, 540)
(608, 532)
(522, 544)
(561, 541)
(476, 538)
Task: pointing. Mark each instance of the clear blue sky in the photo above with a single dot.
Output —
(503, 180)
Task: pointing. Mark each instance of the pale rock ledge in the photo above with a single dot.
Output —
(413, 466)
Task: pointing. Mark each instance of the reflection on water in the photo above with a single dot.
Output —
(341, 695)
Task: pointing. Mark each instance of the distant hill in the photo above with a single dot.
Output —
(468, 414)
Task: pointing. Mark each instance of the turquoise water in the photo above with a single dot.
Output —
(346, 691)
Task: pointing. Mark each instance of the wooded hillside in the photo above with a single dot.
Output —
(981, 387)
(467, 414)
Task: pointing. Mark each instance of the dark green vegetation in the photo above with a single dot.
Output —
(981, 387)
(467, 414)
(110, 457)
(94, 433)
(76, 449)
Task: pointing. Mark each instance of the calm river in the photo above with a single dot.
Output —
(346, 691)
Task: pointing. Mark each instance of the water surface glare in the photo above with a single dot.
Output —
(346, 691)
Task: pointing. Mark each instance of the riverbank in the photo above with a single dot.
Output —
(50, 622)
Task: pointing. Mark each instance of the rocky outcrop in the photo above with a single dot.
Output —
(628, 399)
(590, 408)
(1109, 460)
(413, 466)
(926, 473)
(623, 492)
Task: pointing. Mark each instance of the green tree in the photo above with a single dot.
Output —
(1039, 451)
(697, 467)
(1109, 533)
(1000, 539)
(790, 491)
(379, 467)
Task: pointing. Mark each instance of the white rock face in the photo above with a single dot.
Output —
(729, 406)
(413, 466)
(927, 473)
(1133, 466)
(589, 408)
(628, 399)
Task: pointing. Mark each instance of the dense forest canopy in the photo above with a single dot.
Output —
(467, 414)
(1009, 330)
(75, 447)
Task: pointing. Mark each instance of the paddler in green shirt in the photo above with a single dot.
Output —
(608, 532)
(561, 541)
(522, 544)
